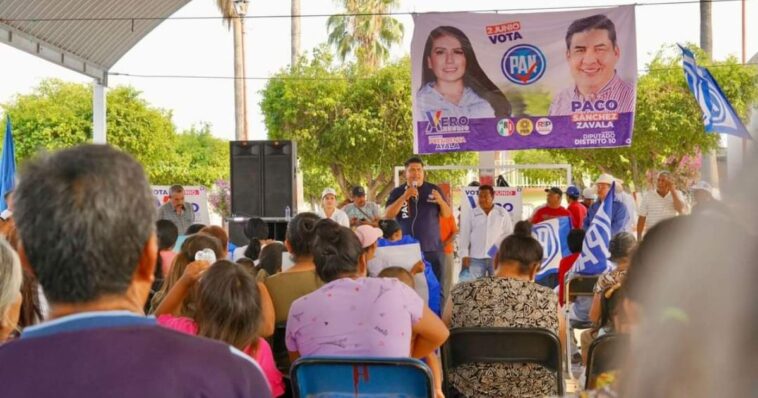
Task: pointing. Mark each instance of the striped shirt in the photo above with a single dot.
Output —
(616, 89)
(656, 208)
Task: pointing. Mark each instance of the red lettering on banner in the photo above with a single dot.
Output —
(503, 28)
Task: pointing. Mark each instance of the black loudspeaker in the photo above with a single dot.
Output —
(263, 180)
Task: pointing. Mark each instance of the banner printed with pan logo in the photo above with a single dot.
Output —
(484, 82)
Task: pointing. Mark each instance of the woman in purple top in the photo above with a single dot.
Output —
(353, 315)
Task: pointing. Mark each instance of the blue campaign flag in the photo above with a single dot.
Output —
(7, 164)
(594, 257)
(718, 114)
(552, 235)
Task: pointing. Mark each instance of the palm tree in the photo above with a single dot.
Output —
(365, 32)
(229, 10)
(706, 33)
(295, 32)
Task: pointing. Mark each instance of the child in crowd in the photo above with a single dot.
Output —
(352, 315)
(256, 231)
(248, 264)
(193, 229)
(369, 237)
(393, 236)
(167, 236)
(269, 261)
(228, 308)
(193, 244)
(220, 234)
(404, 276)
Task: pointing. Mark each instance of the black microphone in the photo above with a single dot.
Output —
(414, 198)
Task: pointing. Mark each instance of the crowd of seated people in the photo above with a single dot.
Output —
(96, 256)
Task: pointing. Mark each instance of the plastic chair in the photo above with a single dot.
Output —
(606, 354)
(579, 286)
(504, 345)
(576, 286)
(334, 377)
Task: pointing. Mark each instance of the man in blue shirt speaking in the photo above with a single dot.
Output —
(417, 206)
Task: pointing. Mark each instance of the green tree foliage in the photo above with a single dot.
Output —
(536, 156)
(668, 127)
(59, 115)
(204, 158)
(368, 36)
(351, 127)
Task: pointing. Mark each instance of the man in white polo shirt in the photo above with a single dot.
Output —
(659, 204)
(487, 226)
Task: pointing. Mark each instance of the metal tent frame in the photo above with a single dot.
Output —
(87, 36)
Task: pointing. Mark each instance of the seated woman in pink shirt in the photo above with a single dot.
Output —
(228, 308)
(352, 315)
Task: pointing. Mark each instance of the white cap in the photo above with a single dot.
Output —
(605, 179)
(328, 191)
(589, 193)
(702, 186)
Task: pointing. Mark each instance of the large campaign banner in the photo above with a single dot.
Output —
(484, 82)
(197, 196)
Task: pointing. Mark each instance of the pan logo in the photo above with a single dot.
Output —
(547, 235)
(523, 64)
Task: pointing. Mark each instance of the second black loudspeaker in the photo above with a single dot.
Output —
(263, 178)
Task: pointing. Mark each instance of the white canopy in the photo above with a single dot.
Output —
(87, 36)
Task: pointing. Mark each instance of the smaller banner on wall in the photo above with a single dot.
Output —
(194, 195)
(506, 197)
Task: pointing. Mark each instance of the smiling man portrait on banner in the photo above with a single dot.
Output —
(592, 53)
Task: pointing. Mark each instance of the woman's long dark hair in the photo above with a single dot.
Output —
(255, 230)
(475, 78)
(336, 250)
(300, 234)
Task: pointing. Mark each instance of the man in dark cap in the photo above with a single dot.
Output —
(553, 208)
(361, 211)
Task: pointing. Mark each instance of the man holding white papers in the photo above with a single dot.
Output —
(486, 227)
